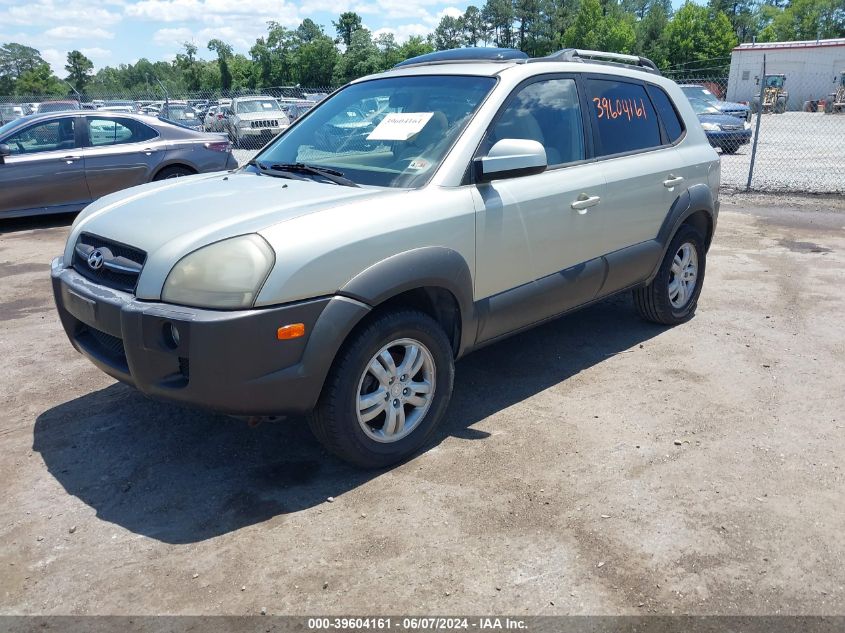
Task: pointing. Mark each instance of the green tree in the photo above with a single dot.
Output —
(224, 54)
(39, 81)
(650, 32)
(15, 60)
(189, 66)
(316, 62)
(362, 57)
(498, 17)
(347, 25)
(79, 69)
(592, 29)
(806, 20)
(696, 33)
(415, 45)
(449, 33)
(474, 31)
(308, 31)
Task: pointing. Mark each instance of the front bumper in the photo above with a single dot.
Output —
(729, 137)
(227, 361)
(259, 131)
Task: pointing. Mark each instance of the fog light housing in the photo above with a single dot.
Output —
(171, 335)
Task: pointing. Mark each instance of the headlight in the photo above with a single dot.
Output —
(711, 127)
(226, 274)
(244, 123)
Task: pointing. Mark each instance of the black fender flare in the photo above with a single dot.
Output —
(425, 267)
(697, 198)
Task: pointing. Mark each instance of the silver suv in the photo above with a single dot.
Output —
(410, 218)
(253, 121)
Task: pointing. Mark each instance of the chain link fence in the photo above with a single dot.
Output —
(782, 147)
(773, 146)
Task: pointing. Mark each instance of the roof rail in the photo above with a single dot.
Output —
(600, 57)
(472, 54)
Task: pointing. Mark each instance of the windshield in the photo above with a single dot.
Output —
(391, 132)
(256, 105)
(703, 107)
(179, 112)
(699, 93)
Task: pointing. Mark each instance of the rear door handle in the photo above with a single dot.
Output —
(148, 150)
(69, 159)
(672, 181)
(584, 202)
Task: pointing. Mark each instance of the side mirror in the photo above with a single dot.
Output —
(4, 151)
(509, 158)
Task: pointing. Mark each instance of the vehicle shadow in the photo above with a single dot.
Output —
(15, 225)
(182, 476)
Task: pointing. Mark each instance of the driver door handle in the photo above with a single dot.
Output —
(673, 181)
(69, 159)
(584, 202)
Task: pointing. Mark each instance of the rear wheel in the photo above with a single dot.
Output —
(175, 171)
(672, 296)
(780, 106)
(387, 390)
(730, 148)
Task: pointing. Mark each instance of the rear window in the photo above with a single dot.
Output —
(622, 116)
(671, 121)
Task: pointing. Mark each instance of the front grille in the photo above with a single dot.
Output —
(262, 124)
(121, 266)
(732, 127)
(100, 344)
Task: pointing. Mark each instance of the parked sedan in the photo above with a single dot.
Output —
(60, 162)
(215, 120)
(723, 131)
(739, 110)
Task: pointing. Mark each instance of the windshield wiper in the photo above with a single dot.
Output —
(271, 171)
(332, 175)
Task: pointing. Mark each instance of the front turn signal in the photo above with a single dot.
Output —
(287, 332)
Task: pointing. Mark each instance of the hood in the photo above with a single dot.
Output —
(721, 119)
(731, 105)
(172, 218)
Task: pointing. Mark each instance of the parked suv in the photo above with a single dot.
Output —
(253, 121)
(488, 195)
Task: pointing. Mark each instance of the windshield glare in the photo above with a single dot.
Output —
(256, 105)
(391, 132)
(701, 93)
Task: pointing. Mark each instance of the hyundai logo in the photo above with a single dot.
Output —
(95, 259)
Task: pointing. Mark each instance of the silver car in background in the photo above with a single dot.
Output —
(60, 162)
(253, 121)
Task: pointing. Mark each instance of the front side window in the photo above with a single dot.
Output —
(118, 131)
(257, 105)
(49, 136)
(391, 132)
(548, 112)
(622, 116)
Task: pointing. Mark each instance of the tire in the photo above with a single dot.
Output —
(780, 106)
(174, 171)
(730, 148)
(343, 413)
(654, 301)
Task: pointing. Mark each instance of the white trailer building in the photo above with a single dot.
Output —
(810, 67)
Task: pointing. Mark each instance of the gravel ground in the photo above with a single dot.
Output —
(596, 465)
(797, 152)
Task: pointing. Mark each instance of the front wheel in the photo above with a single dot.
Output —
(387, 390)
(671, 298)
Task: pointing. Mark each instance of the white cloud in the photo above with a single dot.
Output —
(170, 37)
(77, 33)
(56, 59)
(50, 12)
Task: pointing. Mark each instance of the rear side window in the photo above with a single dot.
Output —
(671, 121)
(622, 116)
(118, 131)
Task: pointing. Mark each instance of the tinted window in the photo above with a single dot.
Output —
(117, 131)
(622, 116)
(547, 112)
(48, 136)
(671, 121)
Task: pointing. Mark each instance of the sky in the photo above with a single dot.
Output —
(111, 32)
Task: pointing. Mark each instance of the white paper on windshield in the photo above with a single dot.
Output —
(400, 126)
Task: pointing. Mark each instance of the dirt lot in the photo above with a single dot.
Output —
(595, 465)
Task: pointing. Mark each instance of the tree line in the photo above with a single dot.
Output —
(695, 37)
